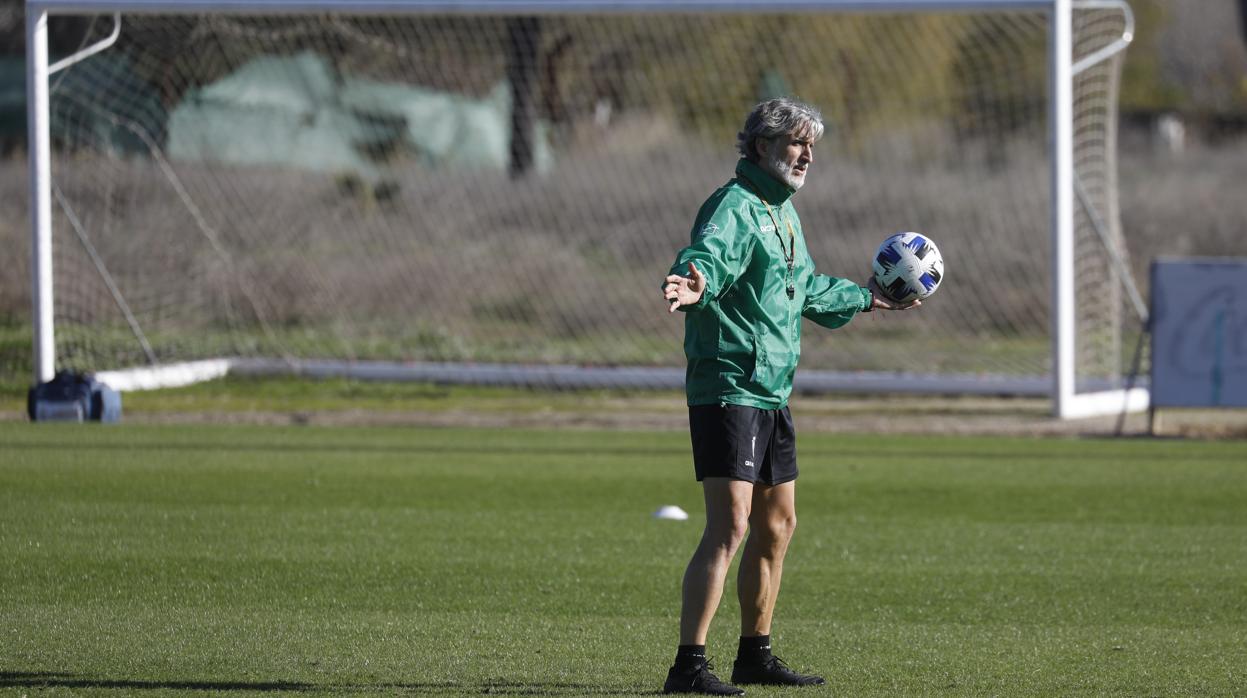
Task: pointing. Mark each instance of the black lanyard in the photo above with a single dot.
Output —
(790, 252)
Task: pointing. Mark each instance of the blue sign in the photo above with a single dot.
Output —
(1199, 333)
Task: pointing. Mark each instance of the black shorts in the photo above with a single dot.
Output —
(743, 443)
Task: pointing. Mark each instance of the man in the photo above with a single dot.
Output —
(746, 281)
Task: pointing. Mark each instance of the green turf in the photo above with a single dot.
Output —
(258, 561)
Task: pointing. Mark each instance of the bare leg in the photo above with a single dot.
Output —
(772, 520)
(727, 519)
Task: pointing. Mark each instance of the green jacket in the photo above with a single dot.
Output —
(743, 338)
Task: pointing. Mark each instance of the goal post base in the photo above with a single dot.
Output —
(175, 375)
(573, 377)
(73, 397)
(1103, 404)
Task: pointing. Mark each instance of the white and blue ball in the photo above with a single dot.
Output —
(908, 267)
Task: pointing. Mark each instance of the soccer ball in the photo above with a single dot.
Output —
(908, 267)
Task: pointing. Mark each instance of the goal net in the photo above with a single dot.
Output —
(496, 198)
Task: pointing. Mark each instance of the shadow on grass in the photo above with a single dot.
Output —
(45, 680)
(13, 679)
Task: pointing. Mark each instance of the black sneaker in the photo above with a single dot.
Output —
(698, 679)
(772, 671)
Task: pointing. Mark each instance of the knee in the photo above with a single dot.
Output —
(781, 528)
(740, 528)
(729, 531)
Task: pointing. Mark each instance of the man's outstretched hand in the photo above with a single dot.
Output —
(881, 301)
(684, 290)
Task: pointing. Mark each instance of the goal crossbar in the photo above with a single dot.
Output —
(376, 7)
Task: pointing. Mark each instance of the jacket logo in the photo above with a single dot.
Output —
(708, 229)
(768, 228)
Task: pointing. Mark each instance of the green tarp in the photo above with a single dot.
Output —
(293, 111)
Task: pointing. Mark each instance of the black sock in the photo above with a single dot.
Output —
(757, 647)
(688, 656)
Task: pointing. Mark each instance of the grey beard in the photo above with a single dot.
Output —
(781, 170)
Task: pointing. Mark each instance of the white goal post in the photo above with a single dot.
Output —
(1068, 199)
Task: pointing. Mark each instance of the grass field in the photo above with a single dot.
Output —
(228, 560)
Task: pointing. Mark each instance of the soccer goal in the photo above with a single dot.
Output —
(490, 192)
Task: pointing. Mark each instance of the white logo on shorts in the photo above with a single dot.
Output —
(748, 464)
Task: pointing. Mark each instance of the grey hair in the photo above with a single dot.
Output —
(778, 117)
